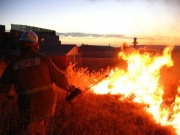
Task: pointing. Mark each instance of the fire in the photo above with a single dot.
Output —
(141, 82)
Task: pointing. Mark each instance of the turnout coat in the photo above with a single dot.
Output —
(33, 75)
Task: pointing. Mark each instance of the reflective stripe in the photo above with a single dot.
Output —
(31, 91)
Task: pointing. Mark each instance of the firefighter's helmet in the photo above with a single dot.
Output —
(29, 36)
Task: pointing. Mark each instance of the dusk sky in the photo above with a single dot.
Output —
(100, 22)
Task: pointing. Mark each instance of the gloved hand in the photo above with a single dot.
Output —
(71, 88)
(71, 98)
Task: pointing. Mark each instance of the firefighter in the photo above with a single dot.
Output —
(33, 75)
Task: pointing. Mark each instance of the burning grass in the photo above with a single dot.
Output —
(118, 105)
(105, 115)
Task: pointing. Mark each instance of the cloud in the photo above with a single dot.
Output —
(80, 34)
(120, 37)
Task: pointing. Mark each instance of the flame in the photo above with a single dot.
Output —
(141, 82)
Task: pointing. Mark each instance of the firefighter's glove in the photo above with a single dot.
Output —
(71, 88)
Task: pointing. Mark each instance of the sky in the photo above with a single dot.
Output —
(99, 22)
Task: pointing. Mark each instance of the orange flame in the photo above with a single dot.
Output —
(141, 81)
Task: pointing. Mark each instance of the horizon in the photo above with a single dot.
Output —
(82, 35)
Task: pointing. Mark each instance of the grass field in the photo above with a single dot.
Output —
(91, 114)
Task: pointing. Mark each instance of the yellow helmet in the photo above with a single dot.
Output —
(29, 36)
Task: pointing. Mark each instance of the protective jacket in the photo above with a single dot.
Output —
(33, 75)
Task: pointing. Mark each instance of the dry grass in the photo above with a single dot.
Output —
(104, 115)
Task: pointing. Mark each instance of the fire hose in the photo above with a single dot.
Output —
(71, 98)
